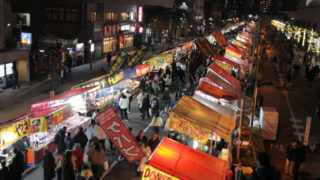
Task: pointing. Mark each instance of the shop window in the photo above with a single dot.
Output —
(128, 40)
(133, 16)
(92, 16)
(124, 16)
(111, 16)
(109, 44)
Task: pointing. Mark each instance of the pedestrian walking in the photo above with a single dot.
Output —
(78, 153)
(291, 155)
(90, 129)
(81, 138)
(97, 157)
(141, 137)
(156, 123)
(59, 138)
(172, 96)
(264, 170)
(86, 173)
(68, 167)
(68, 141)
(48, 165)
(109, 57)
(140, 97)
(145, 107)
(15, 78)
(100, 134)
(154, 141)
(17, 165)
(4, 172)
(123, 104)
(58, 160)
(300, 158)
(147, 152)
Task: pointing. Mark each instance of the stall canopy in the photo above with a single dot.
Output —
(46, 112)
(20, 117)
(187, 163)
(229, 113)
(216, 92)
(51, 102)
(228, 79)
(205, 117)
(220, 58)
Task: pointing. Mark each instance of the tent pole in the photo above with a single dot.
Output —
(239, 132)
(210, 149)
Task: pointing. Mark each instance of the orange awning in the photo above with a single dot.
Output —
(187, 163)
(216, 92)
(205, 117)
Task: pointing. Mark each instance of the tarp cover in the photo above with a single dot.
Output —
(216, 92)
(45, 104)
(187, 163)
(205, 117)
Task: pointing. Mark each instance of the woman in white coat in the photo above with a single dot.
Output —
(147, 152)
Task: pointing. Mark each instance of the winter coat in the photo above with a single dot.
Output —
(61, 136)
(96, 157)
(58, 161)
(291, 153)
(81, 138)
(154, 143)
(140, 99)
(147, 152)
(90, 132)
(68, 171)
(157, 121)
(99, 132)
(78, 153)
(69, 142)
(145, 104)
(144, 138)
(124, 102)
(17, 164)
(48, 167)
(4, 173)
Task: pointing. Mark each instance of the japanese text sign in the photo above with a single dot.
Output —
(61, 115)
(186, 127)
(119, 135)
(151, 173)
(117, 63)
(219, 38)
(224, 66)
(136, 58)
(14, 132)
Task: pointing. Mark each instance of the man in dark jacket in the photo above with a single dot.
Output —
(145, 107)
(4, 172)
(264, 170)
(291, 156)
(154, 141)
(300, 157)
(16, 167)
(48, 165)
(81, 138)
(61, 137)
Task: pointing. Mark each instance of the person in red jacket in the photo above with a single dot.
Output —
(77, 152)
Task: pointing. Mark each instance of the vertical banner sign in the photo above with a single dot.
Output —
(202, 47)
(136, 58)
(307, 131)
(219, 38)
(14, 132)
(119, 135)
(208, 46)
(151, 173)
(140, 14)
(116, 65)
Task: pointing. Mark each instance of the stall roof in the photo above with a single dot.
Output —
(228, 112)
(187, 163)
(46, 111)
(22, 116)
(220, 58)
(216, 92)
(205, 117)
(225, 75)
(222, 82)
(45, 104)
(234, 49)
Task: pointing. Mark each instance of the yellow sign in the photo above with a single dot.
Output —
(160, 61)
(224, 66)
(14, 132)
(232, 53)
(39, 124)
(150, 173)
(190, 129)
(61, 115)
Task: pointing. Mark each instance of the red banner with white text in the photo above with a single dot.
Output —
(119, 134)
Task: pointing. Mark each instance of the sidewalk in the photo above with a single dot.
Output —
(293, 106)
(14, 102)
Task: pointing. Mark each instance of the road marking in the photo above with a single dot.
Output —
(296, 120)
(293, 119)
(298, 126)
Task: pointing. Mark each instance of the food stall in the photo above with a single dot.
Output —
(172, 160)
(236, 56)
(160, 61)
(226, 64)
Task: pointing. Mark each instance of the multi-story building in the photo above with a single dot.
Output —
(13, 55)
(308, 13)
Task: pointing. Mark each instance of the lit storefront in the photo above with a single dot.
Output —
(109, 44)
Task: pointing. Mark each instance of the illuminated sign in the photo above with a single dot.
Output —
(2, 70)
(232, 53)
(140, 30)
(61, 115)
(190, 129)
(14, 132)
(151, 173)
(140, 14)
(223, 65)
(25, 38)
